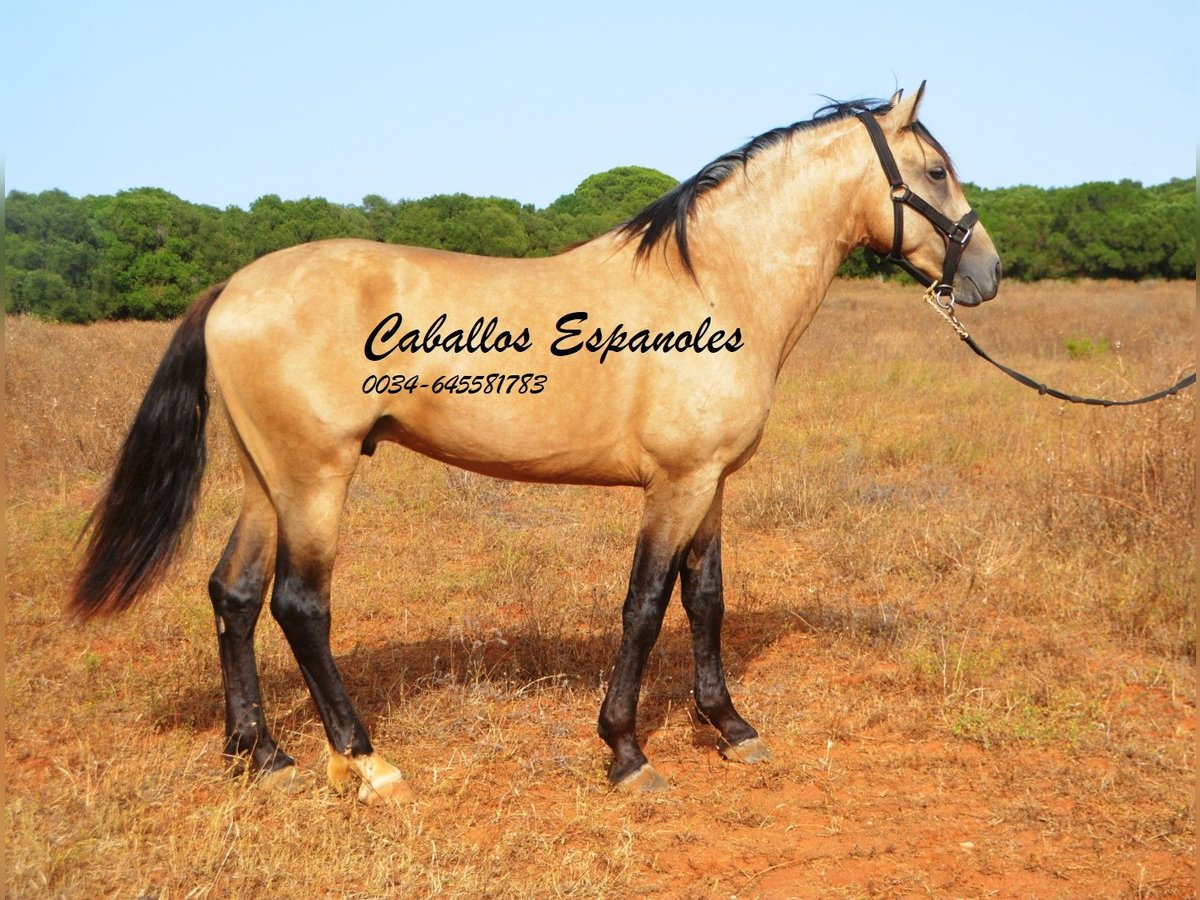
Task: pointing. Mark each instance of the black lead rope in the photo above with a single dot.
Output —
(948, 315)
(940, 294)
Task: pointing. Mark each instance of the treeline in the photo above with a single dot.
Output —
(1095, 230)
(144, 253)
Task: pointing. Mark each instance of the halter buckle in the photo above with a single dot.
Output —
(961, 234)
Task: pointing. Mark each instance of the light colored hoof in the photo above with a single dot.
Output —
(381, 781)
(750, 751)
(644, 781)
(393, 791)
(288, 780)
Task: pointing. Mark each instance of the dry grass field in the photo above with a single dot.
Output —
(960, 613)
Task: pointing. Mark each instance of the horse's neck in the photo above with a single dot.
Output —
(771, 240)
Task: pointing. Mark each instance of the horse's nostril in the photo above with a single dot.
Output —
(998, 271)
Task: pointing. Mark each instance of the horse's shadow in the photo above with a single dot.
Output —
(379, 678)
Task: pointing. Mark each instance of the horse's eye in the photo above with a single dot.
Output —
(937, 173)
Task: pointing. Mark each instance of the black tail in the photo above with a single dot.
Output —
(138, 525)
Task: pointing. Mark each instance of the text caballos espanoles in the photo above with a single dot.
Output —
(486, 336)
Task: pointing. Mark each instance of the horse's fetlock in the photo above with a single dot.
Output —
(606, 727)
(713, 706)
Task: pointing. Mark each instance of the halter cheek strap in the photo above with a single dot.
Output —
(957, 234)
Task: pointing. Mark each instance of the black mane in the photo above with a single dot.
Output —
(670, 213)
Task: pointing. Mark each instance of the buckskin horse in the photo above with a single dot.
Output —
(646, 357)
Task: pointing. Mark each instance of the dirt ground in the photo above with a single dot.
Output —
(961, 615)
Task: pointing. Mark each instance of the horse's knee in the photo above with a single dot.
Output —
(704, 610)
(643, 619)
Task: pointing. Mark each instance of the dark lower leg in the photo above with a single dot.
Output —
(300, 603)
(650, 586)
(237, 587)
(704, 602)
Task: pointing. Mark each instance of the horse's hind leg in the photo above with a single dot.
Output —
(309, 513)
(704, 602)
(237, 588)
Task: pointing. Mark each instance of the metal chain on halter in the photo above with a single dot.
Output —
(945, 309)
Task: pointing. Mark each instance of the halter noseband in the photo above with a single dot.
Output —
(957, 234)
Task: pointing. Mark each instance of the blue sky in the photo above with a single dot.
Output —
(223, 102)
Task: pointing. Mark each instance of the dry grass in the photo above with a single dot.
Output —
(961, 614)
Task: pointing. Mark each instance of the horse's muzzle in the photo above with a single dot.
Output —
(973, 286)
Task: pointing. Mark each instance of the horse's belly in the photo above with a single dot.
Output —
(517, 438)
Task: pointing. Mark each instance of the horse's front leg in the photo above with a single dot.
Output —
(704, 602)
(673, 512)
(650, 586)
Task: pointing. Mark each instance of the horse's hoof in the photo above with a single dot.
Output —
(393, 789)
(749, 751)
(285, 780)
(381, 781)
(644, 781)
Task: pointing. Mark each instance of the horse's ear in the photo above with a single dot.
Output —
(904, 112)
(895, 101)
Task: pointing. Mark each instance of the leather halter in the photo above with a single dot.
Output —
(957, 234)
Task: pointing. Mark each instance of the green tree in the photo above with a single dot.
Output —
(490, 226)
(380, 216)
(616, 194)
(51, 249)
(148, 266)
(600, 202)
(145, 253)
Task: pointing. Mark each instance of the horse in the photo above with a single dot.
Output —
(646, 357)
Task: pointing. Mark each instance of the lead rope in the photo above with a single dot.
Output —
(946, 310)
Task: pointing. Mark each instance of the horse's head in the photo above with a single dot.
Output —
(919, 217)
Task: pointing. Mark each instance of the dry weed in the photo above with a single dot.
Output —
(961, 613)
